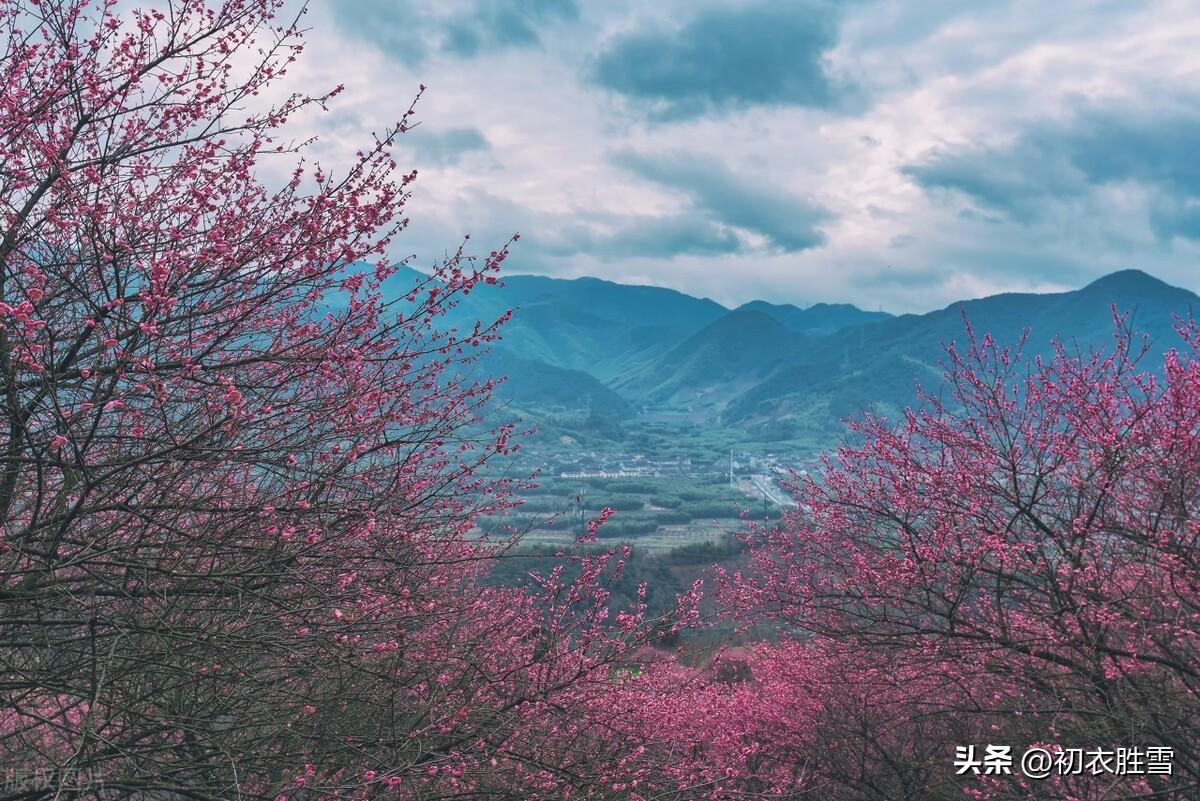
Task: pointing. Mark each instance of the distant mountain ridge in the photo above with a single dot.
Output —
(612, 348)
(821, 318)
(880, 366)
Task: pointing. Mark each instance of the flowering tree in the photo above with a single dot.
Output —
(239, 491)
(237, 486)
(1022, 555)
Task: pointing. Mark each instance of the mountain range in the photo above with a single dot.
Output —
(615, 350)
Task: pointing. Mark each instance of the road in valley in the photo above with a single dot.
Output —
(770, 490)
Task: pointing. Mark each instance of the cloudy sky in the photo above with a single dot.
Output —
(894, 154)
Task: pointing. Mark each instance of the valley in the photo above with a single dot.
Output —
(636, 396)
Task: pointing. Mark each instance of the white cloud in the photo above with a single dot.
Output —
(929, 76)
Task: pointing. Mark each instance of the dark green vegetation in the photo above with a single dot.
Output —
(659, 513)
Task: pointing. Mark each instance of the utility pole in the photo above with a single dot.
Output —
(731, 467)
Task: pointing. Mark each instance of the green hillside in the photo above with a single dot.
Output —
(724, 358)
(586, 323)
(590, 345)
(878, 365)
(533, 385)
